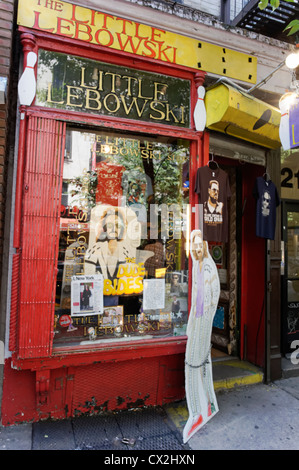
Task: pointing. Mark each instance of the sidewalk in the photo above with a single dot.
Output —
(256, 417)
(252, 415)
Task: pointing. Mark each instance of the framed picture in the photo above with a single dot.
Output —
(177, 282)
(220, 321)
(112, 317)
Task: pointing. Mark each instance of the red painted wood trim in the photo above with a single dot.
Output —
(115, 352)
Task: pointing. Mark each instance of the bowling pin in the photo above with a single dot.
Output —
(27, 82)
(284, 130)
(200, 115)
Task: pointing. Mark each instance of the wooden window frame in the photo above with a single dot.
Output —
(32, 314)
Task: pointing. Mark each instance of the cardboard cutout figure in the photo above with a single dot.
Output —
(200, 395)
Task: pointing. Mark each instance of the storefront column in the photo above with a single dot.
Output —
(273, 284)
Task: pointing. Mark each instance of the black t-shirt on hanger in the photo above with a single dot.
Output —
(212, 187)
(267, 199)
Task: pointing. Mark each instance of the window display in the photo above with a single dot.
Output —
(124, 231)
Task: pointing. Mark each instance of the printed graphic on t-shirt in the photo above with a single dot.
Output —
(213, 207)
(266, 201)
(212, 187)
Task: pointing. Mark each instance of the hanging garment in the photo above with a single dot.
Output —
(267, 199)
(212, 187)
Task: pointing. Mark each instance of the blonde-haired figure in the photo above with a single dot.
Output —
(200, 395)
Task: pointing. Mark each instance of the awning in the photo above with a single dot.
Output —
(238, 114)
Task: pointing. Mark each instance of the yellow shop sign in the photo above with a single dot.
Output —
(94, 27)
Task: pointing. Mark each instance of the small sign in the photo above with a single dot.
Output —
(153, 294)
(294, 123)
(65, 320)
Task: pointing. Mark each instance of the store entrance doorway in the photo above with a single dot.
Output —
(238, 328)
(225, 256)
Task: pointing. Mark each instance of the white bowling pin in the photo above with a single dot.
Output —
(200, 115)
(284, 129)
(27, 82)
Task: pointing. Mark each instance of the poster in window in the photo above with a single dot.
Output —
(153, 294)
(87, 295)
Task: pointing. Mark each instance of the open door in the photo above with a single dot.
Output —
(252, 295)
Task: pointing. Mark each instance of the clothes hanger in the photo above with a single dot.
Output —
(212, 161)
(266, 176)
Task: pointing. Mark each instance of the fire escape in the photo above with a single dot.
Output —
(268, 22)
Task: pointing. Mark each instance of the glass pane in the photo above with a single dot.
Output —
(124, 231)
(293, 291)
(292, 244)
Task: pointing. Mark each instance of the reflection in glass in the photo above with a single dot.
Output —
(124, 232)
(293, 291)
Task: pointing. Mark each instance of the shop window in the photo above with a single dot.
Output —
(123, 246)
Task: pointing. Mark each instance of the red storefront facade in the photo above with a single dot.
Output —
(65, 357)
(48, 374)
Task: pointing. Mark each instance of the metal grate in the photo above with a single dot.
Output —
(53, 435)
(140, 429)
(94, 386)
(97, 433)
(145, 429)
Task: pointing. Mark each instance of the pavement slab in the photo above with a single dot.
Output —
(256, 417)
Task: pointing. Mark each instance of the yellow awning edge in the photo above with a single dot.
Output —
(240, 115)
